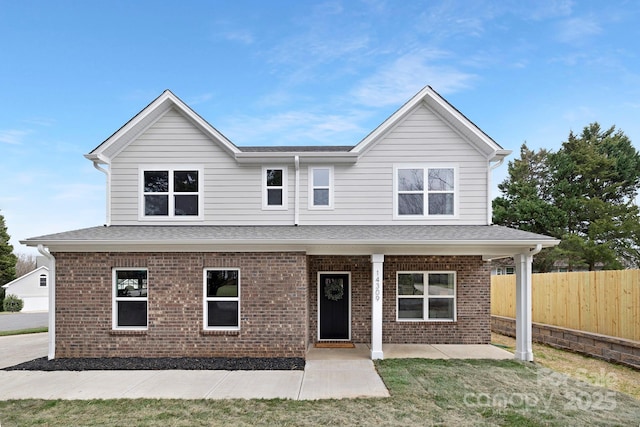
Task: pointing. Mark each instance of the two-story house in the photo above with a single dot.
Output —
(210, 249)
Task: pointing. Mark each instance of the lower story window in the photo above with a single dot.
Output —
(130, 299)
(221, 299)
(426, 295)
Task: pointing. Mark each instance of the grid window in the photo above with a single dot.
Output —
(222, 299)
(130, 299)
(426, 295)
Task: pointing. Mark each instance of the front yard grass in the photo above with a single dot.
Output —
(423, 392)
(595, 371)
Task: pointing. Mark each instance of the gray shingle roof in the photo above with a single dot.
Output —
(289, 234)
(297, 148)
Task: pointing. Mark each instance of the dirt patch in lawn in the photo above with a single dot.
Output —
(577, 366)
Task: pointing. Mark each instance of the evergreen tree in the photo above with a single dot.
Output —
(7, 257)
(583, 194)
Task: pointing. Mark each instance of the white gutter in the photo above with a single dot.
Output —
(296, 192)
(535, 251)
(107, 172)
(52, 301)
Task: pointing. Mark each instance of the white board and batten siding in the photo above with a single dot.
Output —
(363, 192)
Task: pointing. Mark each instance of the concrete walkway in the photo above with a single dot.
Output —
(328, 374)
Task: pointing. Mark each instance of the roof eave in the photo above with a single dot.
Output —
(328, 157)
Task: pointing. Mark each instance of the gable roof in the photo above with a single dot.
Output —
(447, 112)
(427, 97)
(21, 278)
(148, 116)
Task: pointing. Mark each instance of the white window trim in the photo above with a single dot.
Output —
(426, 167)
(205, 299)
(171, 216)
(312, 187)
(285, 189)
(425, 297)
(115, 299)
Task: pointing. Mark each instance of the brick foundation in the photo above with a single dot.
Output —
(473, 299)
(612, 349)
(273, 306)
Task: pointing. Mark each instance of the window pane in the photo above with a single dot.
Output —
(185, 181)
(410, 204)
(186, 205)
(320, 197)
(131, 283)
(410, 284)
(410, 308)
(410, 179)
(321, 177)
(132, 313)
(222, 313)
(156, 181)
(441, 284)
(441, 308)
(274, 197)
(222, 283)
(156, 205)
(274, 177)
(441, 204)
(441, 179)
(43, 280)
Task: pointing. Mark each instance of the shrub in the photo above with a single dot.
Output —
(12, 303)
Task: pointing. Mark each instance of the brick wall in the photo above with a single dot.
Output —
(273, 306)
(612, 349)
(473, 299)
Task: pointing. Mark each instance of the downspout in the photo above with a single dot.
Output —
(490, 170)
(535, 251)
(52, 300)
(107, 172)
(296, 192)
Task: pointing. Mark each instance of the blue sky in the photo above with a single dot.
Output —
(292, 72)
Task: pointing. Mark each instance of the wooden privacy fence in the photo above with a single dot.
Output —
(601, 302)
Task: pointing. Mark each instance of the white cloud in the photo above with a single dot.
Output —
(296, 128)
(13, 136)
(398, 81)
(242, 36)
(578, 29)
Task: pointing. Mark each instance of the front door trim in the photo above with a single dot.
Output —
(348, 273)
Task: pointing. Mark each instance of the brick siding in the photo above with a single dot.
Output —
(273, 306)
(473, 305)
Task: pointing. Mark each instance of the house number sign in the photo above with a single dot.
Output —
(377, 284)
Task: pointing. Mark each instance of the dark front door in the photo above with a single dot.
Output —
(334, 307)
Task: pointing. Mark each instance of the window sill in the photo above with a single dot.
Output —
(220, 332)
(128, 332)
(426, 320)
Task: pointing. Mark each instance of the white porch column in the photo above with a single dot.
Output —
(377, 261)
(524, 350)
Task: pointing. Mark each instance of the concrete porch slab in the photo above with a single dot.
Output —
(339, 379)
(473, 351)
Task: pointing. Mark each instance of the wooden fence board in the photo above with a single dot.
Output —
(602, 302)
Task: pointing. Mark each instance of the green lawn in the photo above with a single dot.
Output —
(423, 392)
(24, 331)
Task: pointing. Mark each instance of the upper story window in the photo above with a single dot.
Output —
(171, 192)
(43, 280)
(321, 187)
(274, 188)
(417, 197)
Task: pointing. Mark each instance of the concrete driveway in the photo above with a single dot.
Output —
(18, 321)
(16, 349)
